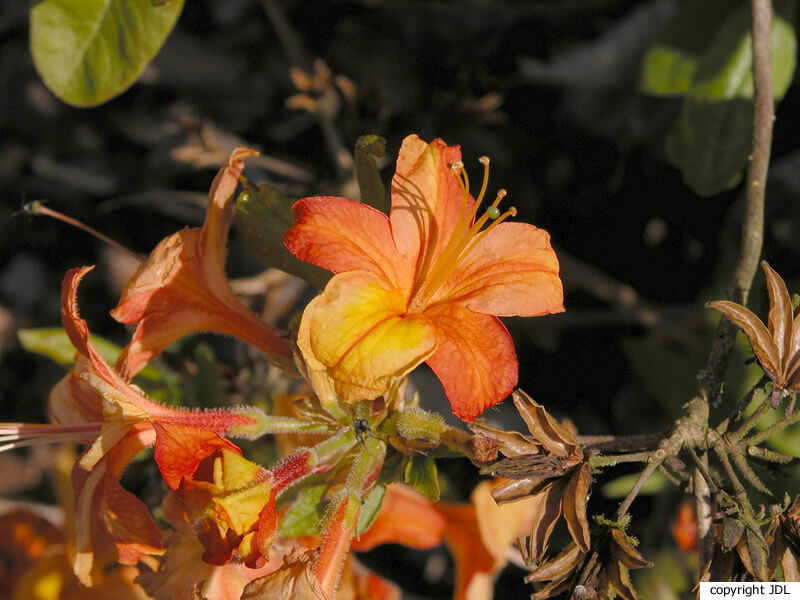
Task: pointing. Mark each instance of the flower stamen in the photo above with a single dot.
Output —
(19, 435)
(466, 235)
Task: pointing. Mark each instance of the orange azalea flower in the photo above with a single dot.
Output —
(425, 284)
(182, 288)
(128, 422)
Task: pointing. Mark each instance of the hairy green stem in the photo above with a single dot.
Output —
(764, 434)
(751, 421)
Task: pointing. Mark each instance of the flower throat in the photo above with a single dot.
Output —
(466, 235)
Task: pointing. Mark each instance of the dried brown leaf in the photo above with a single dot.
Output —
(552, 589)
(559, 568)
(780, 313)
(624, 552)
(573, 506)
(545, 515)
(544, 428)
(538, 466)
(619, 578)
(757, 554)
(514, 489)
(760, 339)
(732, 530)
(512, 444)
(790, 565)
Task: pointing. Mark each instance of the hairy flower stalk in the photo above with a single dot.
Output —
(342, 515)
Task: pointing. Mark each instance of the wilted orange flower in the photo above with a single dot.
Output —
(182, 287)
(777, 344)
(425, 284)
(128, 422)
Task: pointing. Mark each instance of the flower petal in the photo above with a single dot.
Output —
(474, 359)
(406, 518)
(180, 449)
(356, 331)
(106, 514)
(76, 328)
(179, 290)
(462, 534)
(73, 400)
(343, 235)
(427, 200)
(513, 270)
(360, 583)
(501, 524)
(220, 208)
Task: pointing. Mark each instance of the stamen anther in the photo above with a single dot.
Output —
(457, 167)
(484, 160)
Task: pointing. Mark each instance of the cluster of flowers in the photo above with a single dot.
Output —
(424, 284)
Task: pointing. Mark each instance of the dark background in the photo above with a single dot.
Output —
(546, 89)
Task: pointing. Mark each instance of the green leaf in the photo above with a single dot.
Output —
(53, 343)
(88, 51)
(368, 148)
(370, 508)
(670, 64)
(421, 474)
(263, 214)
(304, 516)
(711, 139)
(619, 487)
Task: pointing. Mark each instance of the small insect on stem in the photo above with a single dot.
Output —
(360, 426)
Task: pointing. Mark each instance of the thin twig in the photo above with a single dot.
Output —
(643, 476)
(751, 422)
(752, 238)
(773, 429)
(620, 443)
(610, 460)
(738, 488)
(749, 474)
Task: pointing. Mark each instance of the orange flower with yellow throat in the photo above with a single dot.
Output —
(425, 284)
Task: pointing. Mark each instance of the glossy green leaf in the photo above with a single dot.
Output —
(53, 343)
(370, 508)
(88, 51)
(421, 474)
(263, 214)
(711, 139)
(370, 185)
(304, 516)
